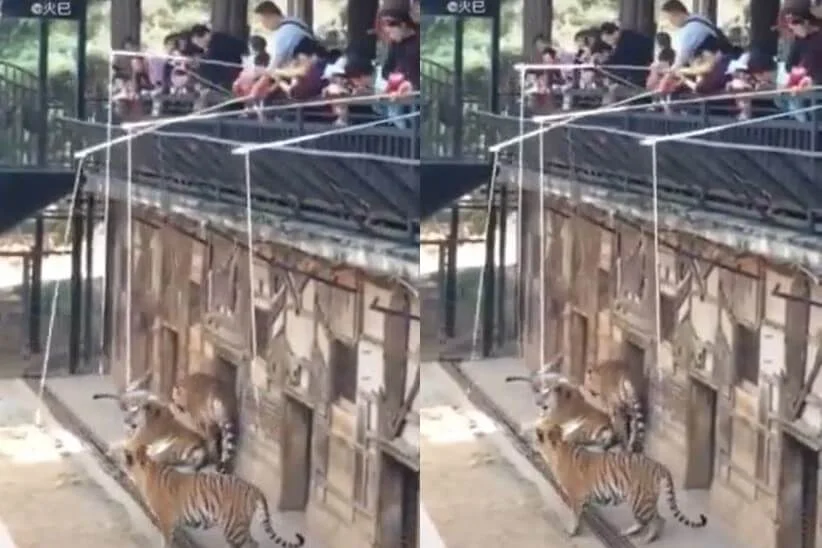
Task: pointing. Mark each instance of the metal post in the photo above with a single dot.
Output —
(89, 288)
(451, 275)
(459, 35)
(82, 39)
(43, 94)
(36, 294)
(488, 294)
(111, 250)
(76, 289)
(501, 308)
(496, 38)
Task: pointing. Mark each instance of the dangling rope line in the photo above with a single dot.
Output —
(520, 224)
(375, 98)
(129, 253)
(657, 262)
(615, 108)
(55, 295)
(150, 129)
(542, 311)
(481, 283)
(282, 143)
(250, 243)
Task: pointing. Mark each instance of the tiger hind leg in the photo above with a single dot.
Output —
(632, 530)
(573, 526)
(653, 529)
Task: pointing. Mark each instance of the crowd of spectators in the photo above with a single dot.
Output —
(285, 63)
(697, 60)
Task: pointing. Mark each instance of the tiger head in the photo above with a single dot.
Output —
(560, 393)
(551, 437)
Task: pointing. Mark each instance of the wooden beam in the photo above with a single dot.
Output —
(398, 424)
(799, 403)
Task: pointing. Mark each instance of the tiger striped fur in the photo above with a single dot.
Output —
(168, 440)
(609, 478)
(212, 405)
(612, 382)
(201, 500)
(564, 403)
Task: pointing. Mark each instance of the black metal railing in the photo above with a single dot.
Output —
(768, 170)
(340, 182)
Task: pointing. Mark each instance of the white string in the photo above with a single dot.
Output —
(375, 98)
(714, 129)
(296, 150)
(542, 312)
(169, 57)
(614, 108)
(38, 414)
(520, 224)
(130, 254)
(523, 67)
(657, 285)
(106, 209)
(250, 243)
(565, 120)
(481, 282)
(157, 124)
(312, 136)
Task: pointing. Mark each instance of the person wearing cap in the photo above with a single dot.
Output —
(404, 50)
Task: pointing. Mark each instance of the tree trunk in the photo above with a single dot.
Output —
(764, 14)
(708, 8)
(537, 19)
(360, 16)
(230, 17)
(125, 22)
(637, 15)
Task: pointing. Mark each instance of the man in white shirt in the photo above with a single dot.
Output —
(285, 32)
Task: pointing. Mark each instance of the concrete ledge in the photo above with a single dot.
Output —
(602, 529)
(99, 451)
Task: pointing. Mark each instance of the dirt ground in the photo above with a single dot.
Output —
(475, 489)
(49, 496)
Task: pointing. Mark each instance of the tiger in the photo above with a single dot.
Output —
(168, 440)
(212, 405)
(611, 381)
(609, 478)
(201, 500)
(563, 402)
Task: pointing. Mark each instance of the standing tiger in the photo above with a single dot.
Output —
(212, 405)
(612, 381)
(609, 478)
(201, 500)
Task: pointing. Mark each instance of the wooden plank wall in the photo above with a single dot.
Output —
(322, 339)
(726, 322)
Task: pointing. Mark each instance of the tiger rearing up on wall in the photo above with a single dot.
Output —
(609, 478)
(564, 403)
(212, 405)
(612, 382)
(201, 500)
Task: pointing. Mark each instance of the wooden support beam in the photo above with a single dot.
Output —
(398, 424)
(799, 402)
